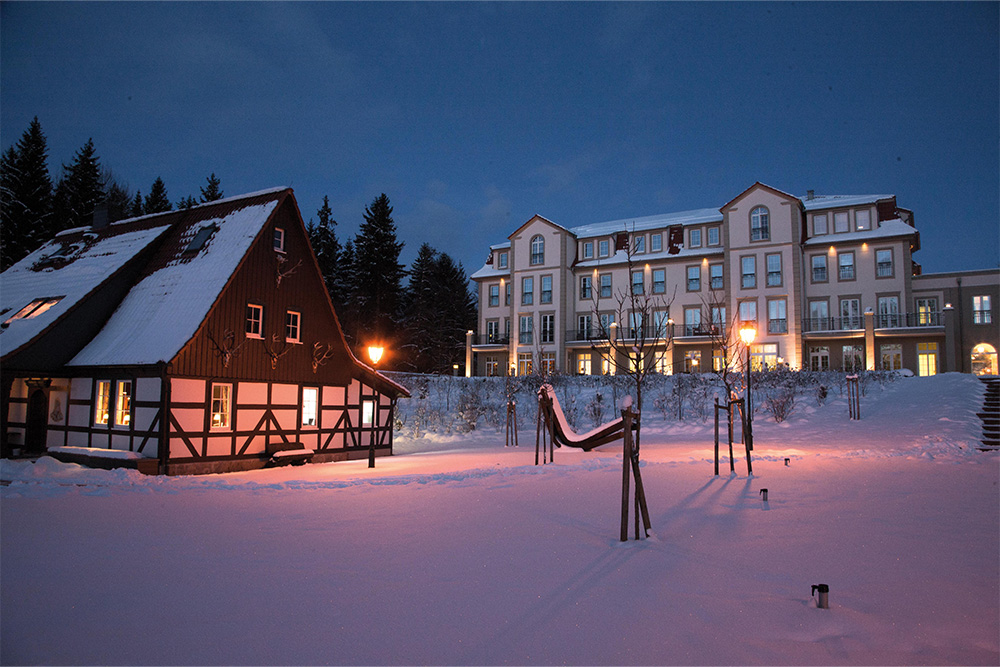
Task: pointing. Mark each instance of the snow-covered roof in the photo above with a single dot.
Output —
(834, 201)
(489, 271)
(621, 257)
(164, 310)
(886, 229)
(82, 266)
(695, 217)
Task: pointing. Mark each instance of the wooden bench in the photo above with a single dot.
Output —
(285, 453)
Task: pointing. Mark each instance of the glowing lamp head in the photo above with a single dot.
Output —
(747, 334)
(375, 353)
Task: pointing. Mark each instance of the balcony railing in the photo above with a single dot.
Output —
(777, 326)
(491, 339)
(882, 321)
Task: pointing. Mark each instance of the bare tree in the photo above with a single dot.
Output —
(635, 334)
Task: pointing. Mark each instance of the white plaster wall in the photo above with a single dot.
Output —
(333, 396)
(285, 394)
(80, 388)
(184, 390)
(251, 393)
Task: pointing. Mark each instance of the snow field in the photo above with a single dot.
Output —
(459, 551)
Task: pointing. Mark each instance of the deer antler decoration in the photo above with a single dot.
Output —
(282, 272)
(274, 354)
(321, 352)
(227, 349)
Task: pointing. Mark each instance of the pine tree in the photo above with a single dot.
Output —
(118, 198)
(420, 311)
(156, 201)
(378, 274)
(456, 313)
(25, 195)
(211, 191)
(79, 190)
(346, 314)
(136, 210)
(327, 249)
(187, 202)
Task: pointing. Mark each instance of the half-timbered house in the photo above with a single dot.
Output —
(199, 340)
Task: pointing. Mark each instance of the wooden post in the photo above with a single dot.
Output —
(538, 428)
(746, 441)
(853, 397)
(640, 496)
(626, 464)
(716, 435)
(511, 424)
(729, 411)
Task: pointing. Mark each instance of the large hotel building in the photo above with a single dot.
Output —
(827, 281)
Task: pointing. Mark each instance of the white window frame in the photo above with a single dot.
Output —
(221, 407)
(254, 320)
(527, 291)
(502, 260)
(279, 239)
(494, 295)
(545, 295)
(310, 406)
(694, 237)
(588, 249)
(123, 403)
(714, 237)
(748, 279)
(863, 220)
(102, 404)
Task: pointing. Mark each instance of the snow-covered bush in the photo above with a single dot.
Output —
(780, 402)
(595, 409)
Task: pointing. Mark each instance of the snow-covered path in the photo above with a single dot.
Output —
(471, 555)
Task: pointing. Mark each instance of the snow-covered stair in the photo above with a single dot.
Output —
(991, 414)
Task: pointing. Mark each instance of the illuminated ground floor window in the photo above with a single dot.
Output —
(492, 365)
(607, 367)
(548, 362)
(692, 360)
(927, 359)
(764, 356)
(984, 360)
(524, 363)
(583, 363)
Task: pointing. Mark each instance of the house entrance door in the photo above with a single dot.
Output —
(36, 426)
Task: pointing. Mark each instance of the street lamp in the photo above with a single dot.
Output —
(747, 334)
(375, 354)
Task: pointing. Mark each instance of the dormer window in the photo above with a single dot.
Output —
(502, 260)
(279, 239)
(200, 239)
(33, 309)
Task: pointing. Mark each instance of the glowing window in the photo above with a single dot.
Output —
(310, 405)
(123, 410)
(102, 413)
(221, 405)
(367, 413)
(33, 309)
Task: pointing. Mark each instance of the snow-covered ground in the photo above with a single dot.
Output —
(460, 551)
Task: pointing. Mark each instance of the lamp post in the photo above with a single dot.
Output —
(747, 334)
(375, 354)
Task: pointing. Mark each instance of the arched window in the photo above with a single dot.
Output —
(537, 250)
(984, 359)
(760, 224)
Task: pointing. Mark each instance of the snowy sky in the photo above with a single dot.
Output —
(474, 116)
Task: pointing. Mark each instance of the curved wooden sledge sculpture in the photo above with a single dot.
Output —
(562, 434)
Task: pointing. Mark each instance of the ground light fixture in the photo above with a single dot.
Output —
(747, 334)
